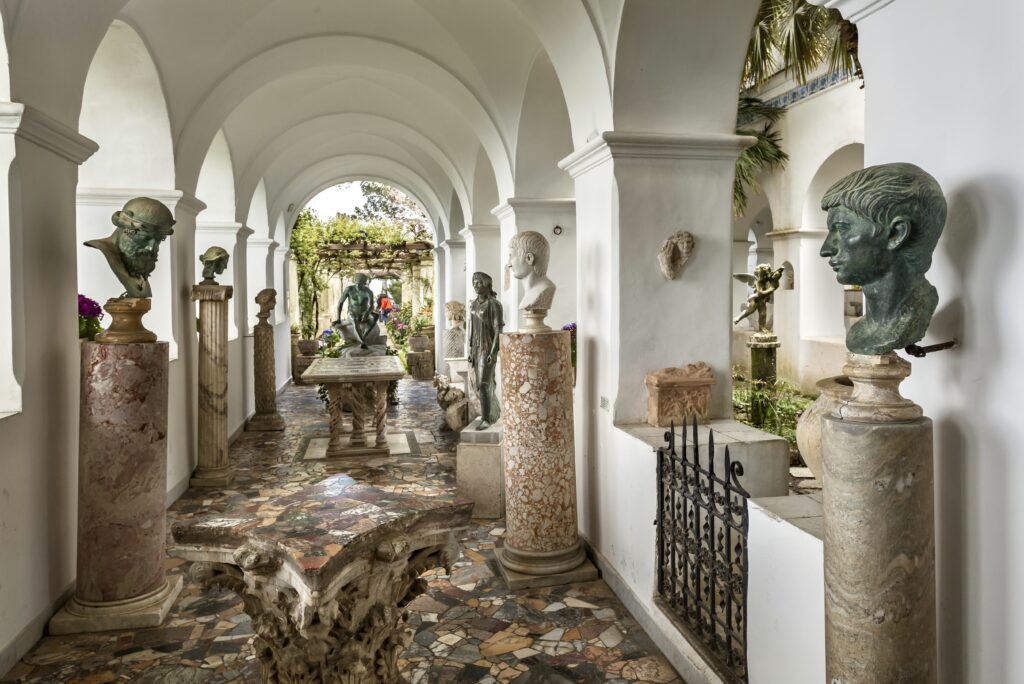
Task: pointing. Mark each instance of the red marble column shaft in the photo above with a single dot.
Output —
(122, 471)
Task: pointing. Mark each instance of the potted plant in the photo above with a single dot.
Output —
(89, 316)
(419, 340)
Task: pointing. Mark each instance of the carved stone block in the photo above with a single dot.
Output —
(421, 364)
(677, 393)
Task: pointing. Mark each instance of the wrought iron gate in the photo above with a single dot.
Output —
(702, 548)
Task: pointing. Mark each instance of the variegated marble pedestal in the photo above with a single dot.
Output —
(212, 468)
(352, 381)
(542, 543)
(326, 574)
(122, 485)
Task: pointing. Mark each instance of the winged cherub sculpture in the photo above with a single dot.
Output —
(765, 282)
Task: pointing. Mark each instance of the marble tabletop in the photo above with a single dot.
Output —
(355, 369)
(321, 528)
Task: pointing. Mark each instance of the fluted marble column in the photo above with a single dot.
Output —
(122, 485)
(541, 534)
(879, 518)
(212, 469)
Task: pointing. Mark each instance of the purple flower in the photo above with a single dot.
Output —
(571, 327)
(88, 308)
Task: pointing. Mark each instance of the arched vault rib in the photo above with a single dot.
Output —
(357, 122)
(323, 52)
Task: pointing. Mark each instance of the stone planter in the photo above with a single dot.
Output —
(677, 393)
(834, 391)
(308, 347)
(419, 343)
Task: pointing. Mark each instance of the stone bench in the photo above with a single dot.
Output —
(325, 573)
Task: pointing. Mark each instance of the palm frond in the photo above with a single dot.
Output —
(755, 108)
(764, 155)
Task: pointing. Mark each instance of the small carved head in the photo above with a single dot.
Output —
(674, 254)
(528, 252)
(267, 300)
(214, 261)
(142, 224)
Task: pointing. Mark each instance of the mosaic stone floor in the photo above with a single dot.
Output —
(468, 628)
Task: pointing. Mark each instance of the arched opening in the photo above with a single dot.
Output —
(822, 300)
(124, 111)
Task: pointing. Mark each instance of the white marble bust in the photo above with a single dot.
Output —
(528, 258)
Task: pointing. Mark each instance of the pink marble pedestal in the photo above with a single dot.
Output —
(122, 485)
(542, 543)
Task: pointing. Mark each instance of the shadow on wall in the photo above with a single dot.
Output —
(587, 383)
(972, 490)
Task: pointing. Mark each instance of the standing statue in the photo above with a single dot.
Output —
(528, 258)
(214, 261)
(264, 372)
(883, 224)
(131, 250)
(361, 311)
(765, 282)
(485, 324)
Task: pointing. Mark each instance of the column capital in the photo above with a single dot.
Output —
(479, 229)
(39, 128)
(176, 200)
(797, 233)
(222, 228)
(624, 145)
(260, 243)
(520, 206)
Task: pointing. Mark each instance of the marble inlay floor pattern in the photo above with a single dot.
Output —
(468, 628)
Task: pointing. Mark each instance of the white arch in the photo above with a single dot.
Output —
(325, 127)
(370, 55)
(544, 137)
(355, 167)
(216, 183)
(257, 217)
(124, 112)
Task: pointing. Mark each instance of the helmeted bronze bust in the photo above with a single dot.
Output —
(131, 250)
(214, 261)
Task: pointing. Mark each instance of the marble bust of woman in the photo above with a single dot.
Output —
(485, 324)
(529, 254)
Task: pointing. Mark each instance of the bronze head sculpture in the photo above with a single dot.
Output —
(214, 261)
(131, 250)
(883, 225)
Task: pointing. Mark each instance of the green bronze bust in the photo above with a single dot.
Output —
(131, 250)
(883, 225)
(214, 261)
(361, 310)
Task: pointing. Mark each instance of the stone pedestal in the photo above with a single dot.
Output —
(763, 363)
(122, 485)
(542, 544)
(126, 321)
(879, 523)
(455, 342)
(421, 364)
(675, 394)
(266, 417)
(212, 469)
(479, 471)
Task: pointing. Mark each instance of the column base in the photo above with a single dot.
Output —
(265, 422)
(579, 569)
(148, 610)
(219, 478)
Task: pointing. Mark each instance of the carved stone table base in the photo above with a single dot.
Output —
(362, 383)
(327, 583)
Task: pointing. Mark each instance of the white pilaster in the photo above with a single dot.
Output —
(483, 253)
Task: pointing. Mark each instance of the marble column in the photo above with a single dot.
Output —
(879, 519)
(122, 484)
(212, 469)
(266, 417)
(541, 535)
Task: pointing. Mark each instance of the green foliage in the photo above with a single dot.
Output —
(796, 37)
(386, 205)
(782, 405)
(764, 155)
(399, 327)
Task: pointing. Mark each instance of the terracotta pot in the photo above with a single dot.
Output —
(307, 347)
(419, 343)
(834, 391)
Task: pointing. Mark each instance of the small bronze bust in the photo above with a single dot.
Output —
(214, 261)
(131, 250)
(883, 225)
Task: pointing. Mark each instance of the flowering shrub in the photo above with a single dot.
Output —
(399, 327)
(89, 315)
